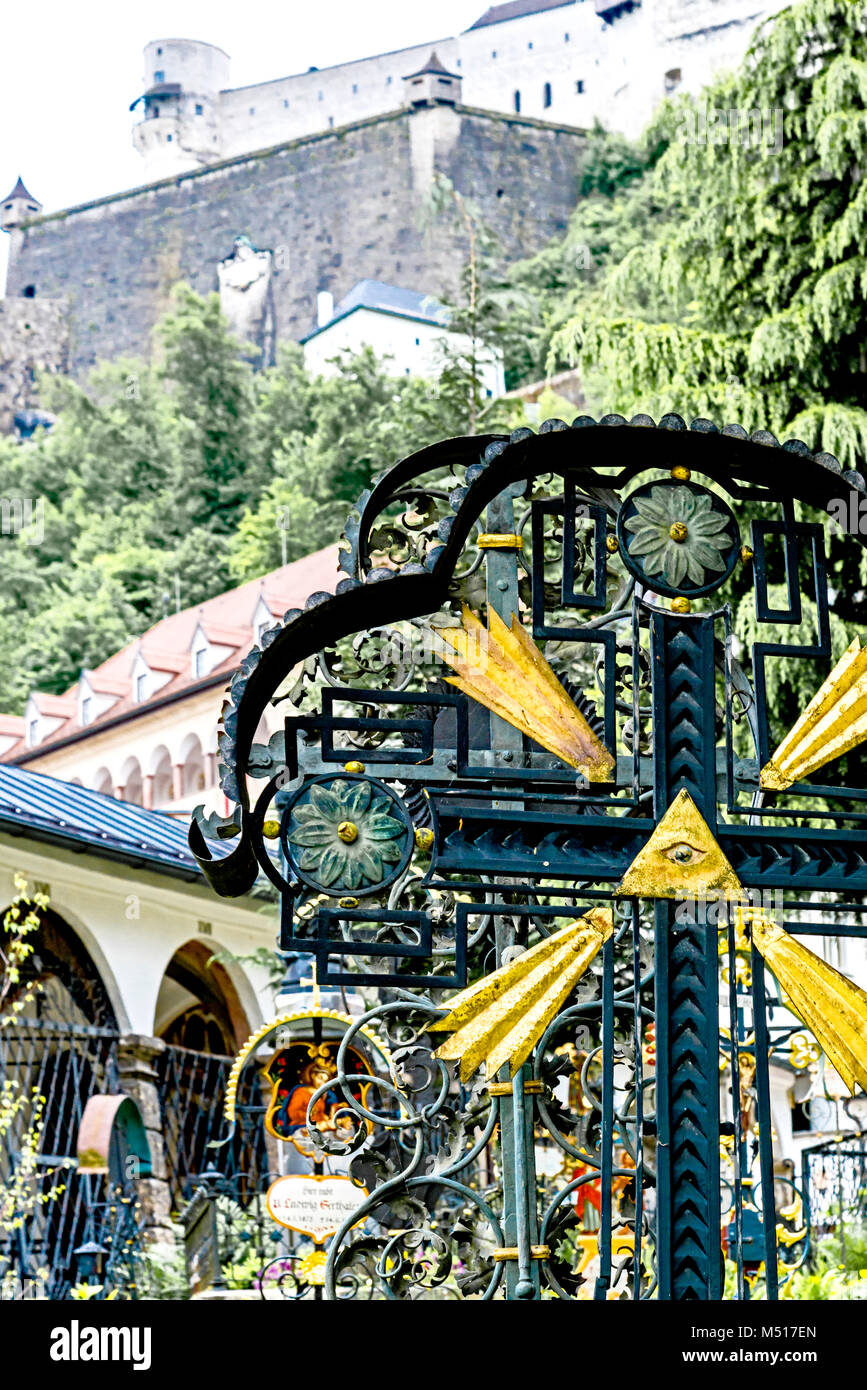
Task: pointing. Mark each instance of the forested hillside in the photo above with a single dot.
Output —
(723, 277)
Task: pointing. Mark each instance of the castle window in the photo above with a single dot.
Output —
(285, 101)
(517, 101)
(565, 38)
(320, 96)
(388, 82)
(579, 86)
(252, 110)
(331, 122)
(159, 76)
(355, 89)
(168, 139)
(673, 79)
(458, 63)
(200, 110)
(29, 292)
(159, 53)
(156, 110)
(546, 100)
(530, 44)
(494, 53)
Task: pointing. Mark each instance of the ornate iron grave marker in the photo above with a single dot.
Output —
(530, 787)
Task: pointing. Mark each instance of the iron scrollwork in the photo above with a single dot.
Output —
(422, 839)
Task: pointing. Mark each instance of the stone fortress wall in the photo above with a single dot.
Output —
(571, 62)
(276, 192)
(331, 209)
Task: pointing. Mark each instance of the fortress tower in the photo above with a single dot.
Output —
(17, 207)
(178, 124)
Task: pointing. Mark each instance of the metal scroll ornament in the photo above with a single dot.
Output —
(678, 538)
(347, 834)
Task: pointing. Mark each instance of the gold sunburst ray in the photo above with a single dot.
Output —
(502, 1017)
(502, 668)
(831, 1006)
(834, 721)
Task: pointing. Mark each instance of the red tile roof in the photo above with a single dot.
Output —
(227, 620)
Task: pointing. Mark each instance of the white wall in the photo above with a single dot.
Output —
(414, 348)
(132, 923)
(622, 67)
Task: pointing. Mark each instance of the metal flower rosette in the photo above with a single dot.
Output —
(532, 805)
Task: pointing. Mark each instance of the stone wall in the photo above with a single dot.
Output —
(332, 208)
(34, 337)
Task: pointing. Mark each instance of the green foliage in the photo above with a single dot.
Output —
(742, 295)
(169, 482)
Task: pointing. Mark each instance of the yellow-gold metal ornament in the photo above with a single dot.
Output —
(834, 721)
(832, 1007)
(502, 668)
(502, 1017)
(681, 859)
(286, 1020)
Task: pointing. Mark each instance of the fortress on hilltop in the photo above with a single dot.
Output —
(286, 194)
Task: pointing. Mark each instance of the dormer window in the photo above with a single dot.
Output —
(86, 709)
(33, 732)
(200, 661)
(141, 687)
(159, 76)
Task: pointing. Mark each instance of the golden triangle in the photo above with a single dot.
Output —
(834, 721)
(681, 859)
(502, 1017)
(502, 668)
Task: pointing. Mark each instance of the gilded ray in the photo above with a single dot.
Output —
(831, 1006)
(834, 721)
(681, 859)
(501, 1018)
(502, 668)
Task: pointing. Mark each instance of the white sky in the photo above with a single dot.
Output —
(71, 68)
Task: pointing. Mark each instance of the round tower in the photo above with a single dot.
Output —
(17, 207)
(178, 125)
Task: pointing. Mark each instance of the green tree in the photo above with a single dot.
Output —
(744, 298)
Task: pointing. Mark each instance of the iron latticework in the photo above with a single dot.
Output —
(424, 831)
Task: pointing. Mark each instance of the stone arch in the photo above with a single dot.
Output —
(204, 1006)
(160, 769)
(103, 782)
(76, 983)
(132, 782)
(193, 767)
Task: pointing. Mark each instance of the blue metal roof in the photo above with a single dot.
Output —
(376, 294)
(44, 808)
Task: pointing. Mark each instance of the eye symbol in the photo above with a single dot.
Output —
(684, 854)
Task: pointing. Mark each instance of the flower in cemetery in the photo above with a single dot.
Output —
(677, 534)
(348, 834)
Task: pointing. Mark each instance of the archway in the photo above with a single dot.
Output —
(161, 772)
(103, 782)
(132, 783)
(201, 1019)
(192, 765)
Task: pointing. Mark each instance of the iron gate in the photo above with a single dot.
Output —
(622, 606)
